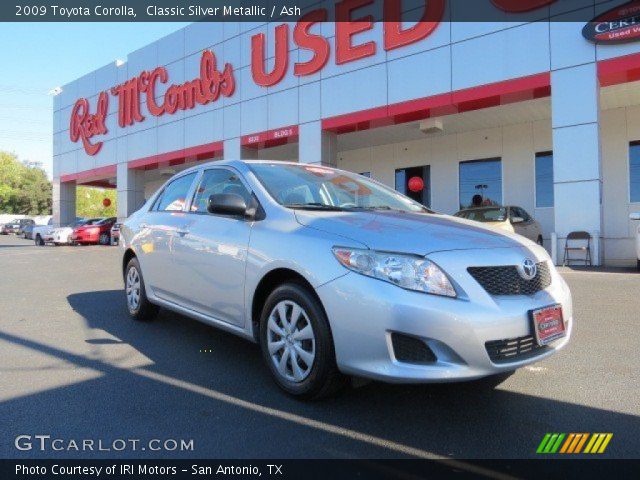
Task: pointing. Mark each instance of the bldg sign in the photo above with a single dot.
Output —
(618, 25)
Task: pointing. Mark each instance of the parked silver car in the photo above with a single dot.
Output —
(336, 275)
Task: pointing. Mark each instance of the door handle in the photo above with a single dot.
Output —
(182, 232)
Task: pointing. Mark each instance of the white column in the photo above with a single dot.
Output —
(233, 150)
(576, 154)
(130, 195)
(64, 202)
(316, 145)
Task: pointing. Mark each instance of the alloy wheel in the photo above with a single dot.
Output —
(133, 289)
(291, 341)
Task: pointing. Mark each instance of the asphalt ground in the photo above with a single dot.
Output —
(73, 366)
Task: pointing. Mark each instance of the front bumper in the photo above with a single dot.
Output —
(364, 312)
(85, 238)
(58, 238)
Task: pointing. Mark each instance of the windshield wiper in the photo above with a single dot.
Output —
(392, 209)
(314, 206)
(379, 207)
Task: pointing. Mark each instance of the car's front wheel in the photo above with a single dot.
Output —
(297, 344)
(39, 241)
(138, 305)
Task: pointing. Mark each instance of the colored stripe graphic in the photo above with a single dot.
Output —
(598, 443)
(573, 443)
(550, 443)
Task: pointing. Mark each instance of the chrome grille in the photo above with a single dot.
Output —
(505, 280)
(513, 349)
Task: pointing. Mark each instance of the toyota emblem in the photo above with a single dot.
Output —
(528, 270)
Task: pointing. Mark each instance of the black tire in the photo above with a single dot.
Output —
(638, 265)
(324, 379)
(104, 239)
(145, 310)
(39, 241)
(540, 241)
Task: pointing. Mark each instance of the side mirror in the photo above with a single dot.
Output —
(517, 219)
(227, 204)
(635, 216)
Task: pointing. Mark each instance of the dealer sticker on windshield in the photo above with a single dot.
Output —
(548, 324)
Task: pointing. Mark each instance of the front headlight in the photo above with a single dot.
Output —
(406, 271)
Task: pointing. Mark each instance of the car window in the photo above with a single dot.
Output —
(174, 196)
(215, 181)
(484, 214)
(313, 186)
(519, 212)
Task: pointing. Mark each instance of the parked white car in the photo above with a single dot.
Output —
(44, 234)
(40, 231)
(636, 216)
(509, 218)
(62, 235)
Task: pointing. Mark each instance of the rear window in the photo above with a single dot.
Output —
(484, 214)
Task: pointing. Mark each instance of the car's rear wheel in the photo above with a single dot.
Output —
(297, 344)
(138, 305)
(104, 239)
(39, 241)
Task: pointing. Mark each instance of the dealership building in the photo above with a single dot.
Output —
(527, 112)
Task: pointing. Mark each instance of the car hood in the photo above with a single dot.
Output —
(419, 234)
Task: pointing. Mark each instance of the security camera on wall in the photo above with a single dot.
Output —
(431, 126)
(167, 172)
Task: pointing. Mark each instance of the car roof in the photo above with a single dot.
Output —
(488, 207)
(236, 163)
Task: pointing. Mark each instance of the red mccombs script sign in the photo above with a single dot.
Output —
(208, 87)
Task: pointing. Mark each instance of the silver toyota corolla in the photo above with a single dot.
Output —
(336, 275)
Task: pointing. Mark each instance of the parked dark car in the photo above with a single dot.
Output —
(27, 232)
(16, 226)
(115, 234)
(24, 223)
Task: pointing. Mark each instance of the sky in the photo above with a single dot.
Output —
(37, 57)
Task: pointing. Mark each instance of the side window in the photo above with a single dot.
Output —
(174, 196)
(215, 181)
(519, 212)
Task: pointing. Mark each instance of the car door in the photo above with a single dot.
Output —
(211, 255)
(160, 229)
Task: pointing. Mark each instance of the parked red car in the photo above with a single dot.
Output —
(97, 231)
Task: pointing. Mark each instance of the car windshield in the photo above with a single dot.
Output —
(314, 187)
(92, 221)
(498, 214)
